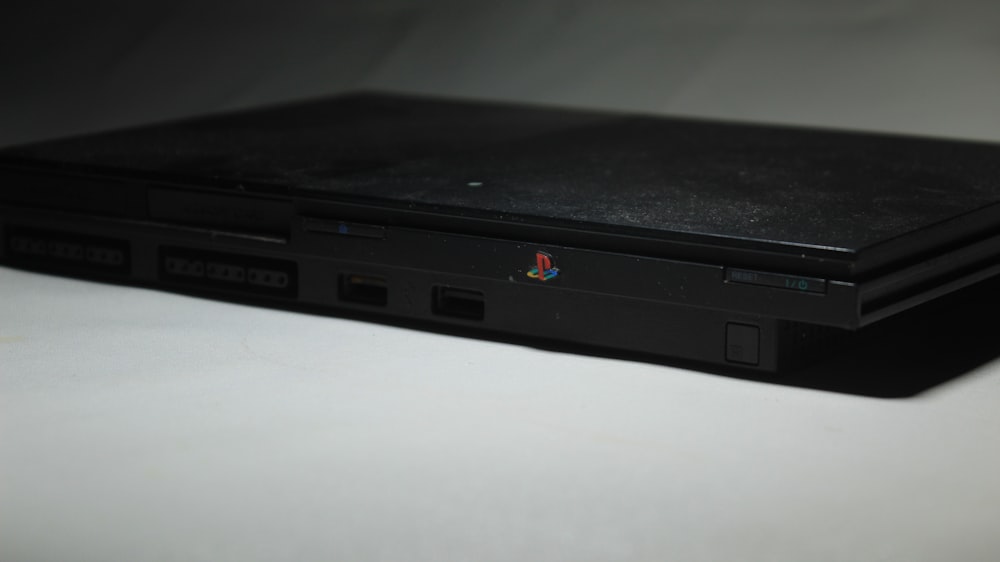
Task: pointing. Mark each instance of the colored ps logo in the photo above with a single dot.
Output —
(544, 269)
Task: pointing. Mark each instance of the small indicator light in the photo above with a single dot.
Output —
(544, 269)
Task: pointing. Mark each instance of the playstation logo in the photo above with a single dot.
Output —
(544, 269)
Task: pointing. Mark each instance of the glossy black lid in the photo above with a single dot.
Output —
(864, 196)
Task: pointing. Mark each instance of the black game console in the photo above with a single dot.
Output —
(731, 244)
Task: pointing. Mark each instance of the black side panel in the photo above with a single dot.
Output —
(452, 291)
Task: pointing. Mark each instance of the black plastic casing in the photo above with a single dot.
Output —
(748, 246)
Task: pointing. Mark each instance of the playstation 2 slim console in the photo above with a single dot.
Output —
(720, 243)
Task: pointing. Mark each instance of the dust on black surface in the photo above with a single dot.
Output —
(811, 188)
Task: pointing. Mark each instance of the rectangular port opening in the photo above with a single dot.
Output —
(458, 303)
(243, 273)
(363, 289)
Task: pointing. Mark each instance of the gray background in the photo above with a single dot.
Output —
(912, 66)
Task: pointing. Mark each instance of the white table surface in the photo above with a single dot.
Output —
(142, 425)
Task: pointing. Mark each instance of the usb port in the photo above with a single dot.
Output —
(363, 289)
(459, 303)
